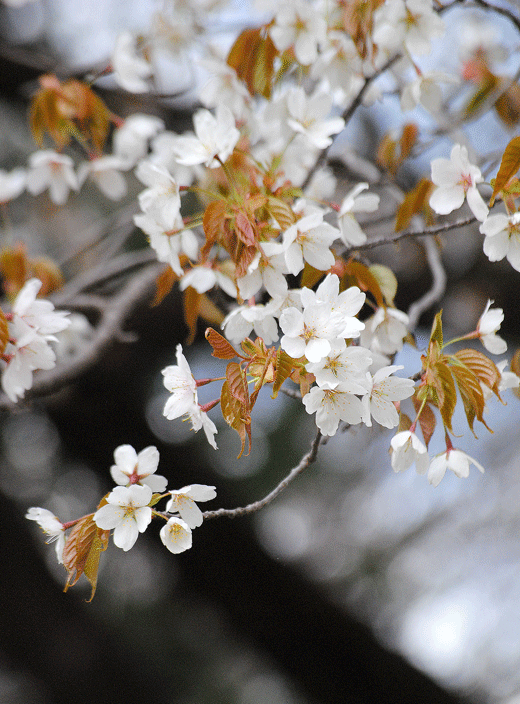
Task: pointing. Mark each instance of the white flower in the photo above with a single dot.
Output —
(74, 339)
(127, 511)
(12, 184)
(308, 239)
(48, 169)
(297, 24)
(238, 324)
(379, 401)
(351, 233)
(487, 326)
(183, 502)
(50, 525)
(203, 278)
(216, 136)
(267, 271)
(343, 365)
(309, 333)
(168, 245)
(412, 23)
(105, 172)
(456, 179)
(307, 115)
(347, 304)
(407, 449)
(425, 90)
(224, 87)
(179, 380)
(502, 238)
(37, 313)
(456, 460)
(161, 199)
(130, 69)
(132, 468)
(176, 535)
(130, 141)
(332, 405)
(27, 352)
(385, 331)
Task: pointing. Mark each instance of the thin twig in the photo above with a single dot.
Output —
(435, 230)
(306, 460)
(438, 287)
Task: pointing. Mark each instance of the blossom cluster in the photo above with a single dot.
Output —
(31, 327)
(129, 508)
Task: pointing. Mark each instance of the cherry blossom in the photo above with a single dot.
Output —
(176, 535)
(131, 468)
(456, 460)
(179, 381)
(413, 23)
(50, 525)
(351, 233)
(347, 304)
(130, 69)
(456, 179)
(216, 136)
(407, 449)
(307, 115)
(385, 331)
(343, 365)
(425, 91)
(12, 184)
(487, 326)
(161, 199)
(203, 278)
(127, 512)
(38, 313)
(105, 171)
(332, 405)
(48, 169)
(378, 403)
(130, 141)
(502, 238)
(183, 502)
(260, 318)
(25, 352)
(298, 25)
(309, 333)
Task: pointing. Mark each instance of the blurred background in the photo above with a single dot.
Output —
(356, 585)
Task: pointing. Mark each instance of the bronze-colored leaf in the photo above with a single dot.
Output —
(235, 416)
(237, 383)
(446, 392)
(471, 394)
(414, 203)
(4, 332)
(427, 419)
(387, 281)
(164, 284)
(508, 167)
(436, 333)
(281, 212)
(365, 279)
(284, 369)
(222, 349)
(191, 306)
(213, 224)
(484, 368)
(82, 552)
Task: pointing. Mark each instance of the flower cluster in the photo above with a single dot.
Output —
(31, 326)
(129, 508)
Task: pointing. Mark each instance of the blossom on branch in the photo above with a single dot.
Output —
(183, 502)
(456, 460)
(456, 178)
(50, 525)
(48, 169)
(179, 380)
(127, 512)
(216, 137)
(487, 326)
(176, 535)
(132, 468)
(502, 238)
(407, 449)
(385, 390)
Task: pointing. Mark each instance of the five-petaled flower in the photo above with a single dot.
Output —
(456, 460)
(132, 468)
(183, 502)
(127, 512)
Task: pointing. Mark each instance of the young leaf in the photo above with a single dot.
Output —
(508, 167)
(365, 279)
(284, 369)
(82, 552)
(471, 394)
(427, 419)
(164, 285)
(387, 281)
(281, 212)
(213, 224)
(237, 383)
(436, 334)
(446, 392)
(481, 366)
(221, 347)
(4, 332)
(414, 203)
(235, 416)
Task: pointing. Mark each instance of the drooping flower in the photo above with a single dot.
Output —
(487, 327)
(378, 403)
(12, 184)
(407, 449)
(456, 460)
(50, 525)
(456, 178)
(132, 468)
(105, 171)
(176, 535)
(502, 238)
(183, 502)
(127, 512)
(179, 380)
(351, 233)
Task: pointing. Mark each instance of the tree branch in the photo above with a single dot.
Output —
(434, 230)
(306, 460)
(438, 286)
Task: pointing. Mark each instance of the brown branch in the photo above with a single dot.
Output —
(427, 231)
(306, 460)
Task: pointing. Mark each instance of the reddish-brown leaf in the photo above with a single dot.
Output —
(244, 229)
(82, 552)
(164, 285)
(415, 202)
(427, 419)
(221, 347)
(237, 383)
(235, 415)
(481, 366)
(284, 369)
(446, 392)
(213, 224)
(408, 139)
(508, 167)
(4, 332)
(365, 280)
(191, 305)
